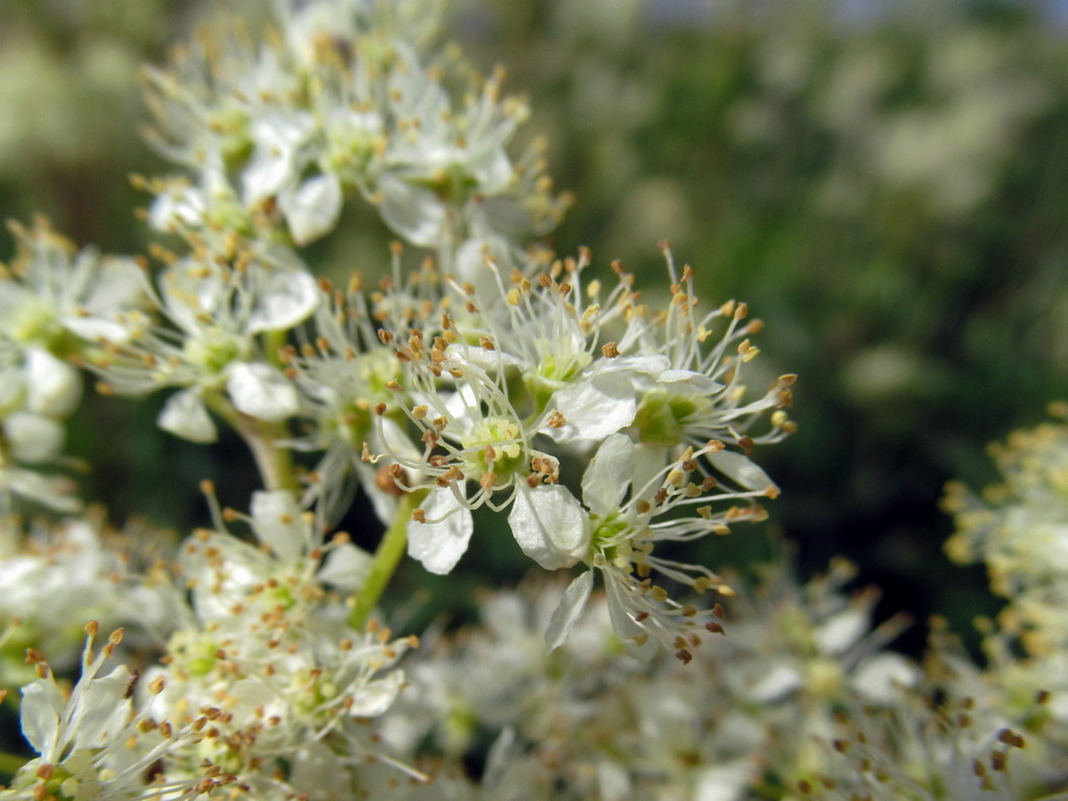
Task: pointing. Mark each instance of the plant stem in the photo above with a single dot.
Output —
(274, 463)
(387, 557)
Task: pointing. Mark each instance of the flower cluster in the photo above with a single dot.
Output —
(350, 97)
(610, 429)
(264, 653)
(95, 745)
(54, 303)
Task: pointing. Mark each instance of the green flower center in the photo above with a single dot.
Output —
(214, 350)
(493, 446)
(661, 418)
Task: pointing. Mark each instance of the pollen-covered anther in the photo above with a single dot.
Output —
(488, 480)
(676, 478)
(486, 343)
(396, 472)
(1011, 738)
(684, 656)
(557, 419)
(380, 409)
(384, 336)
(747, 350)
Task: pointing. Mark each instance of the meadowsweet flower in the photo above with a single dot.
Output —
(1020, 528)
(56, 578)
(959, 751)
(30, 437)
(264, 651)
(218, 313)
(339, 99)
(55, 305)
(345, 370)
(629, 507)
(56, 300)
(94, 745)
(517, 367)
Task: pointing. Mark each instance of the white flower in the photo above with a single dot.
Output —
(53, 296)
(94, 746)
(266, 641)
(218, 314)
(631, 505)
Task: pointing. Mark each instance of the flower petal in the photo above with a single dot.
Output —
(276, 519)
(594, 408)
(285, 297)
(413, 212)
(550, 526)
(441, 541)
(42, 706)
(346, 566)
(185, 416)
(740, 469)
(312, 210)
(605, 482)
(569, 611)
(260, 391)
(54, 386)
(100, 710)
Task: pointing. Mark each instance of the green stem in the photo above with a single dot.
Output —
(386, 559)
(275, 464)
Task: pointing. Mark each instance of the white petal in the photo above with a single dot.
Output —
(569, 611)
(415, 213)
(185, 416)
(52, 491)
(778, 681)
(261, 391)
(741, 469)
(96, 328)
(605, 482)
(33, 438)
(842, 631)
(54, 386)
(274, 163)
(884, 677)
(346, 567)
(100, 710)
(594, 408)
(725, 782)
(550, 526)
(441, 541)
(613, 781)
(312, 210)
(377, 696)
(42, 705)
(285, 298)
(480, 358)
(689, 382)
(276, 519)
(635, 639)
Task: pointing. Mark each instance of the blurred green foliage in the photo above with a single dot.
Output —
(889, 194)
